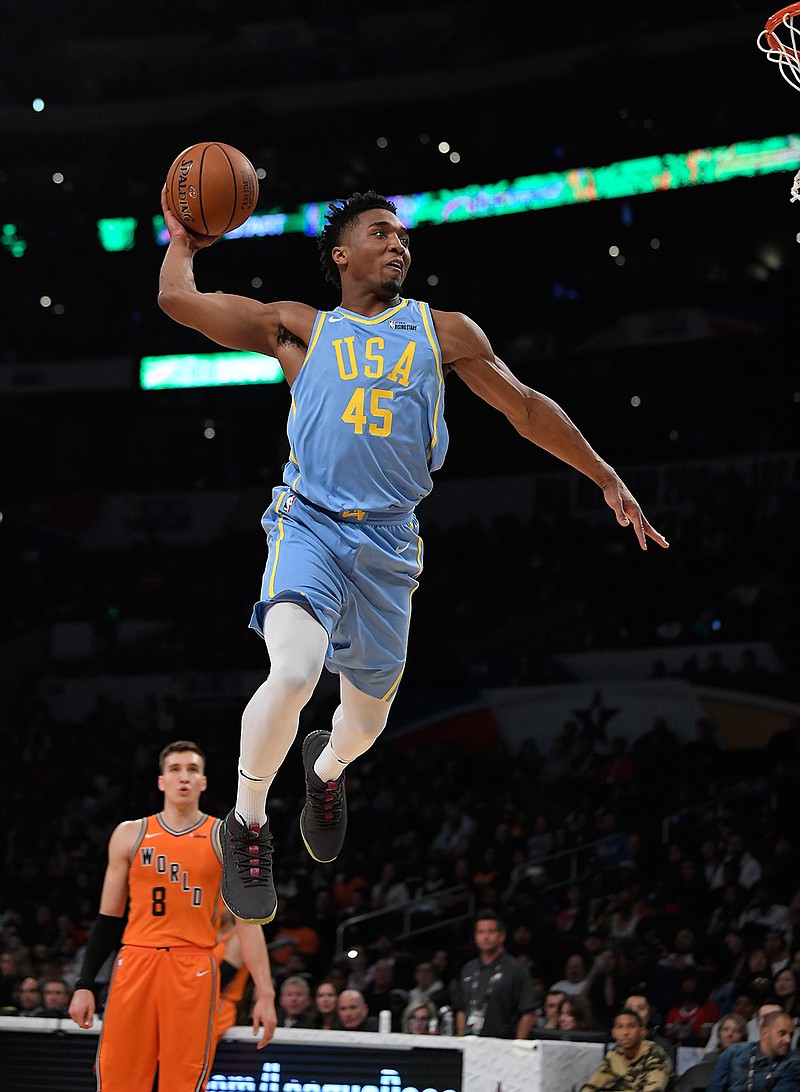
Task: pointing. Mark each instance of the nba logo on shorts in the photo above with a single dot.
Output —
(287, 504)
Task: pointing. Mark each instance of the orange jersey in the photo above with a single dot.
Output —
(174, 885)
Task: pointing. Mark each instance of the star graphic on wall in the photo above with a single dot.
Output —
(595, 718)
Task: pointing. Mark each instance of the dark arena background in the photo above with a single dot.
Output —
(599, 743)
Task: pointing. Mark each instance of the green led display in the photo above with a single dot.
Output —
(117, 233)
(670, 171)
(207, 370)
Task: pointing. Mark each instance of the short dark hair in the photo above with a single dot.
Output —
(178, 746)
(339, 216)
(629, 1012)
(490, 915)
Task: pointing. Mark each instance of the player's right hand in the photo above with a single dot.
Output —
(81, 1008)
(177, 230)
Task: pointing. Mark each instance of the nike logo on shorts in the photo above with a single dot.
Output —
(199, 974)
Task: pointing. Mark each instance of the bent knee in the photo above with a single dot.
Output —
(292, 686)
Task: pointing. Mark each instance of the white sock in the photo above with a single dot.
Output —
(329, 767)
(251, 797)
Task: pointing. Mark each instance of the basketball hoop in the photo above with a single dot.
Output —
(780, 40)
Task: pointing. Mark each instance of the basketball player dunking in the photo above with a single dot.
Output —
(366, 431)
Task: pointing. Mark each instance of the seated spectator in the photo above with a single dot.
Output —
(642, 1006)
(755, 1025)
(778, 952)
(756, 976)
(378, 986)
(763, 912)
(634, 1062)
(427, 987)
(576, 978)
(10, 978)
(727, 1031)
(690, 1021)
(353, 1014)
(390, 889)
(572, 917)
(768, 1064)
(547, 1015)
(55, 998)
(738, 865)
(294, 1003)
(575, 1014)
(28, 998)
(607, 990)
(291, 936)
(325, 997)
(785, 991)
(455, 833)
(418, 1017)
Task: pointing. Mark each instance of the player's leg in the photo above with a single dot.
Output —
(357, 723)
(187, 1021)
(127, 1062)
(296, 643)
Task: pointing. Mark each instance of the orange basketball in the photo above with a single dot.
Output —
(212, 188)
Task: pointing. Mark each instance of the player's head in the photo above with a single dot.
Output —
(179, 746)
(339, 220)
(182, 778)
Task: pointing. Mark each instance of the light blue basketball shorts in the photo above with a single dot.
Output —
(356, 574)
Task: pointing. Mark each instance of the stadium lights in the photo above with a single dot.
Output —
(627, 178)
(184, 371)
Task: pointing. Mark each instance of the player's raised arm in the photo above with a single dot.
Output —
(467, 351)
(237, 322)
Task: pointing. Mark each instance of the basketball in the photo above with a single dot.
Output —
(212, 188)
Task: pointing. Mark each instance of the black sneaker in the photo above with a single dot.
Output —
(248, 889)
(323, 820)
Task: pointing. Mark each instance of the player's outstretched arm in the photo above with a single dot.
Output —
(467, 350)
(254, 950)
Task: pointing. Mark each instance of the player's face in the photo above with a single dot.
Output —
(182, 780)
(627, 1033)
(377, 250)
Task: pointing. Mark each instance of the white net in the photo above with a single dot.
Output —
(780, 41)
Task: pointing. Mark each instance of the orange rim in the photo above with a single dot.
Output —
(775, 21)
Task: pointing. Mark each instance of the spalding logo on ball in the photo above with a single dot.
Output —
(212, 188)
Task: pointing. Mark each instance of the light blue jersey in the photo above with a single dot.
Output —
(367, 430)
(366, 426)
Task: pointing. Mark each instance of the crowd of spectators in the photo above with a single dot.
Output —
(598, 904)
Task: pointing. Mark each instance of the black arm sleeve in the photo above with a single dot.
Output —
(104, 939)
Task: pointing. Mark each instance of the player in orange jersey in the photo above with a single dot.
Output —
(161, 1009)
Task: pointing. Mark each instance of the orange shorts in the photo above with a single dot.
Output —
(159, 1016)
